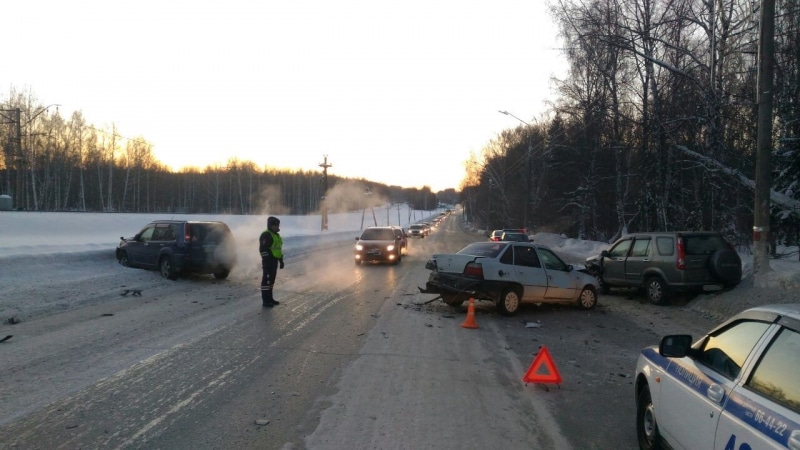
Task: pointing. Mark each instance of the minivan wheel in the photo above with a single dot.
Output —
(167, 269)
(588, 298)
(509, 302)
(656, 291)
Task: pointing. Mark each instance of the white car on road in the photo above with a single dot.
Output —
(508, 274)
(737, 388)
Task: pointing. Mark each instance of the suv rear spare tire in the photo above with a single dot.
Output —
(726, 266)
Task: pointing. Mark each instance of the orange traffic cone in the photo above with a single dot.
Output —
(470, 320)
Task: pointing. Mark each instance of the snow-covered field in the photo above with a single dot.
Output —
(38, 234)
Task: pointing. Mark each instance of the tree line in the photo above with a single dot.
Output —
(53, 163)
(654, 128)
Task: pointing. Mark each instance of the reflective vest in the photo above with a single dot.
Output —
(275, 248)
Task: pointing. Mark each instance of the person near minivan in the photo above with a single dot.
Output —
(270, 246)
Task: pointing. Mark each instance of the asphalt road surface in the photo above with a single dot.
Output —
(353, 358)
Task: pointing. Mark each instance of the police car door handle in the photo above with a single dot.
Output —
(716, 393)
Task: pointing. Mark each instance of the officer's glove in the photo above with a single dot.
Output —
(281, 263)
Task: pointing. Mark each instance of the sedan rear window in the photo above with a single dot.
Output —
(485, 249)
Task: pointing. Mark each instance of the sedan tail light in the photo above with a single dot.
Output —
(474, 270)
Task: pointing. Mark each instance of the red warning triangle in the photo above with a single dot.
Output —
(533, 375)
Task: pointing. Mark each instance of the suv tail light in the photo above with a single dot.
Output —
(681, 261)
(474, 270)
(187, 233)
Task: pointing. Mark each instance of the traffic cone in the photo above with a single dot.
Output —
(470, 320)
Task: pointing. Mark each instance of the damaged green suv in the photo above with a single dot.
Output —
(666, 262)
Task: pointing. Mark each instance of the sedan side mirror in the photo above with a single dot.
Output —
(604, 253)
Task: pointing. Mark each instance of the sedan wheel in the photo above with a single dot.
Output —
(509, 302)
(588, 298)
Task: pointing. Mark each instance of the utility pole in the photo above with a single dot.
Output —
(766, 63)
(324, 181)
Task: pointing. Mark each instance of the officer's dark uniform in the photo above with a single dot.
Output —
(270, 246)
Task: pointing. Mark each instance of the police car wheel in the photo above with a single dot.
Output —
(646, 426)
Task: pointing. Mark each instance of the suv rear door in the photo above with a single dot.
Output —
(206, 243)
(698, 249)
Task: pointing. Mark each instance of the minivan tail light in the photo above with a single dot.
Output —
(681, 262)
(187, 233)
(474, 270)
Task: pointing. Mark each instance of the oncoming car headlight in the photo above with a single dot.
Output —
(389, 248)
(359, 247)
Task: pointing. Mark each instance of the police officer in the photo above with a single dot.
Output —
(269, 245)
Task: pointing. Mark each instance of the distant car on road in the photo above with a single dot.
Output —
(400, 233)
(175, 247)
(508, 274)
(416, 230)
(734, 388)
(513, 236)
(495, 235)
(378, 244)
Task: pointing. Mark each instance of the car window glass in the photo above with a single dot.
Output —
(703, 244)
(551, 261)
(162, 233)
(665, 245)
(147, 234)
(726, 351)
(526, 256)
(621, 249)
(487, 249)
(775, 376)
(507, 257)
(641, 247)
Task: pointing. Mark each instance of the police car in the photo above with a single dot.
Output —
(737, 388)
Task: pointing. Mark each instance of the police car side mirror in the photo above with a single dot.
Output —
(675, 346)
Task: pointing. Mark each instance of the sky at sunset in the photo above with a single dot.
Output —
(395, 92)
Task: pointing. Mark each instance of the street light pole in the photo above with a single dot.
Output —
(528, 175)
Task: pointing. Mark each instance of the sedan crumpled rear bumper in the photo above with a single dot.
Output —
(444, 283)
